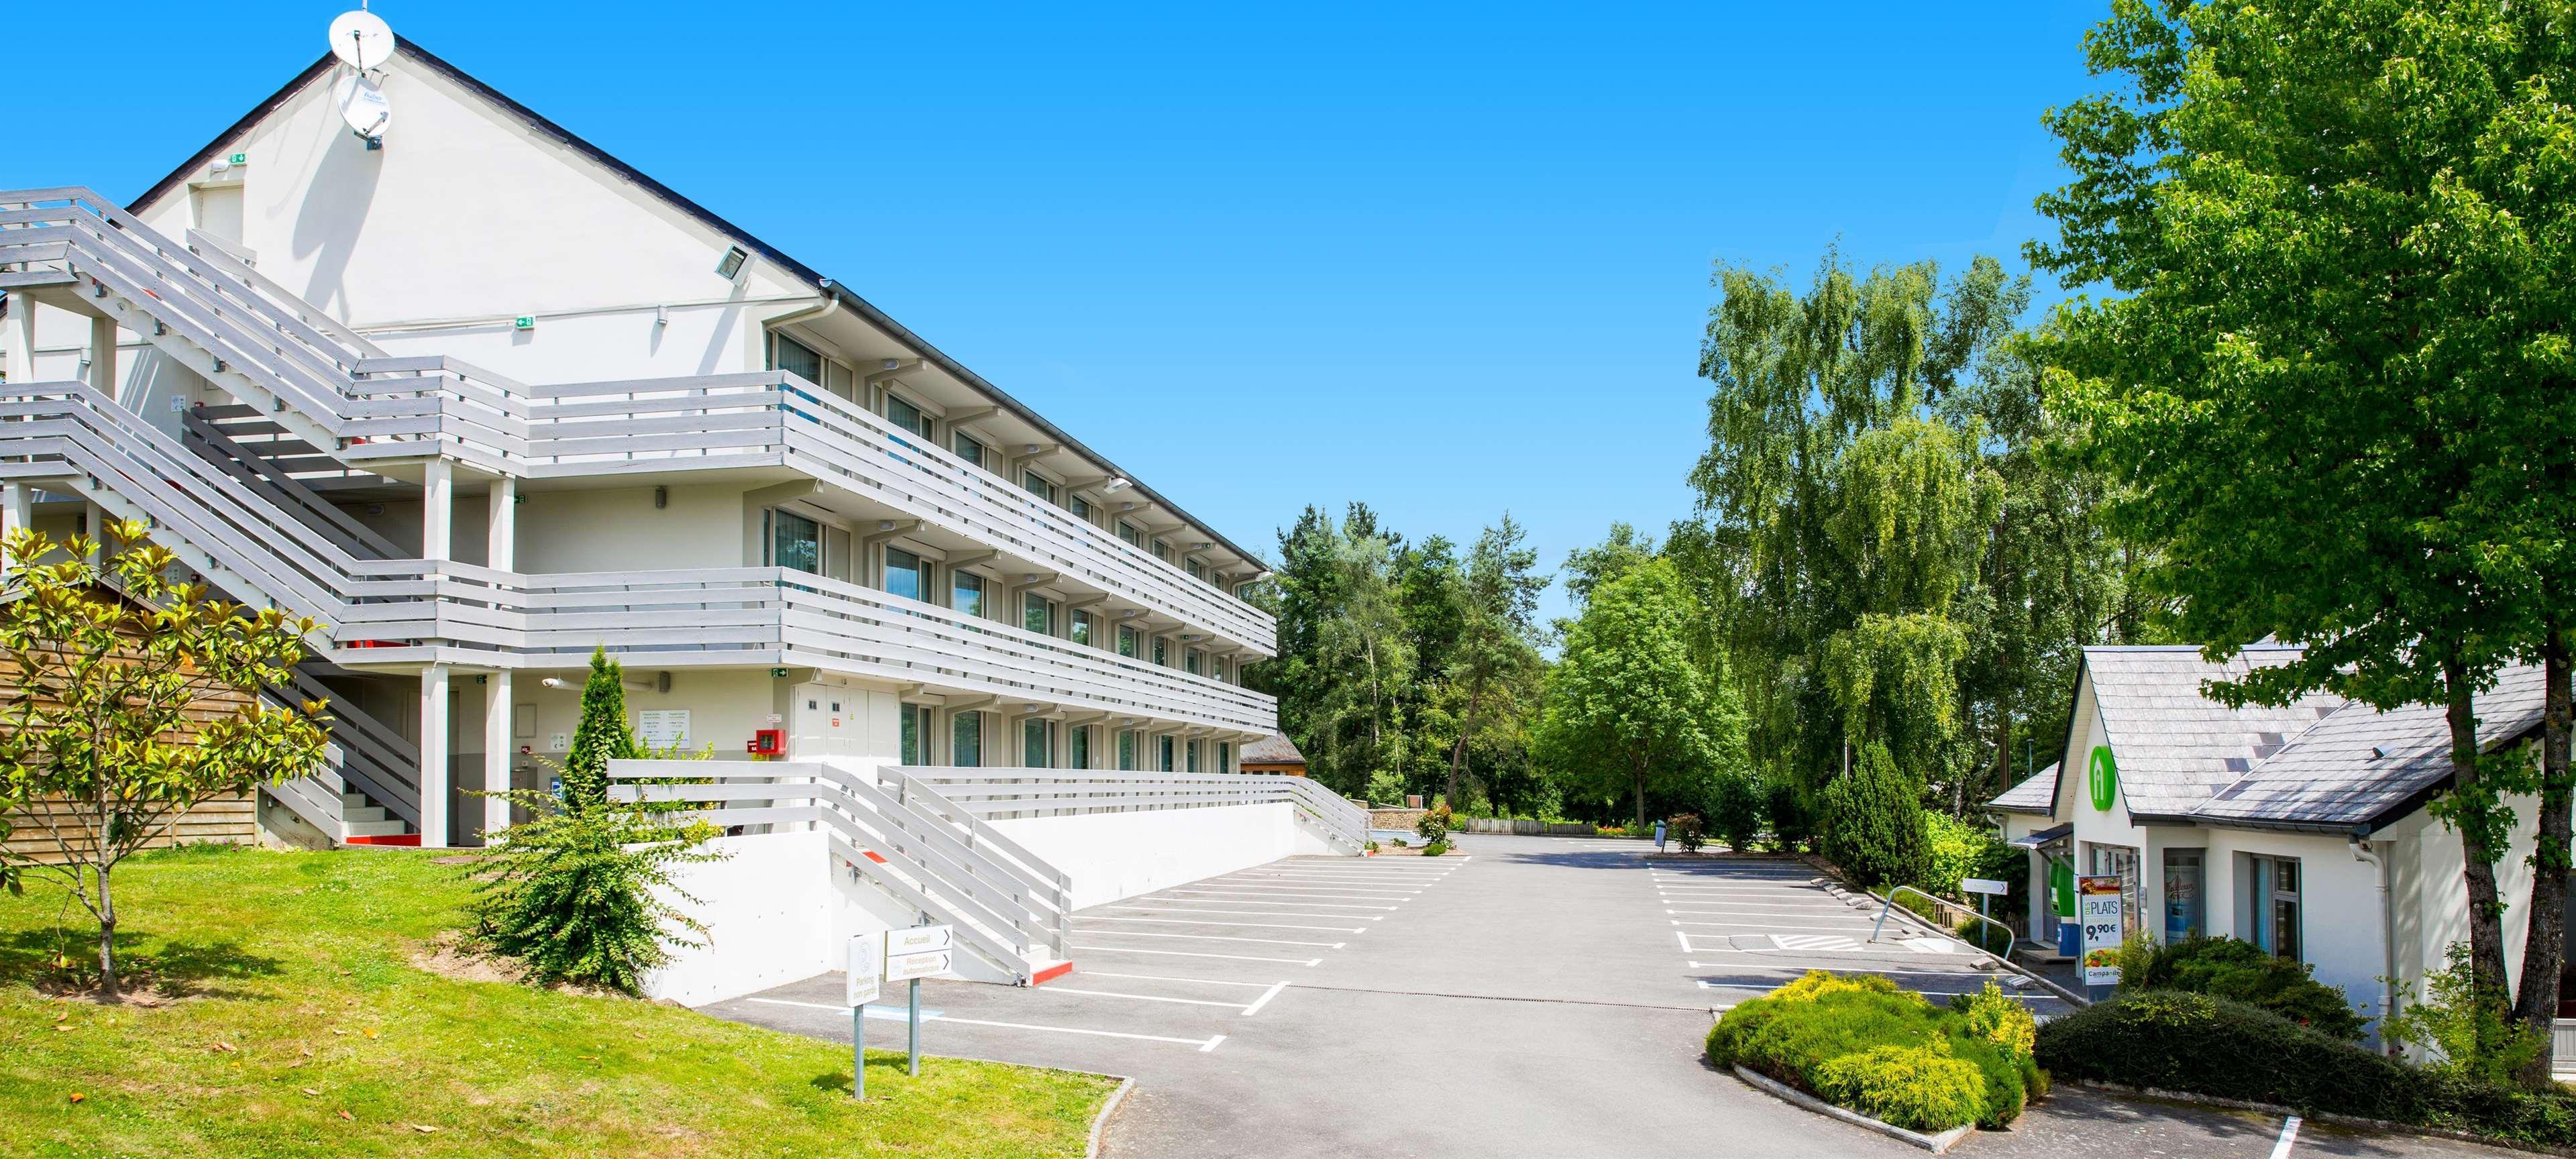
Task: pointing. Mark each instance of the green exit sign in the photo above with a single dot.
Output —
(238, 159)
(524, 322)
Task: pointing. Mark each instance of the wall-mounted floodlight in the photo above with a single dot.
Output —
(732, 262)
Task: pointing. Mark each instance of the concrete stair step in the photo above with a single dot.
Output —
(382, 827)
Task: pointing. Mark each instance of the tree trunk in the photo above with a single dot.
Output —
(106, 935)
(1457, 758)
(2536, 1004)
(2486, 912)
(1641, 798)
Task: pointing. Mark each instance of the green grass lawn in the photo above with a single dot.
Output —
(308, 1031)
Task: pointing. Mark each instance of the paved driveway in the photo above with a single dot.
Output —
(1527, 996)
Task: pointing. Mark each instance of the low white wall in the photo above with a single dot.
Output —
(780, 906)
(764, 907)
(1119, 855)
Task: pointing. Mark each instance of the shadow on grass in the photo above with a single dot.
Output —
(65, 961)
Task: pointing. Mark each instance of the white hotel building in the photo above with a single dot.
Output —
(481, 398)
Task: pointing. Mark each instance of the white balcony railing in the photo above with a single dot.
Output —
(406, 610)
(338, 392)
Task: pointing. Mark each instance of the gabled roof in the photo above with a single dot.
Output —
(1275, 749)
(2361, 768)
(869, 312)
(2038, 794)
(2176, 746)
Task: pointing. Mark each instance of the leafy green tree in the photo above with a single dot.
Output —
(2335, 371)
(601, 735)
(1873, 822)
(1494, 666)
(1626, 708)
(131, 709)
(1842, 514)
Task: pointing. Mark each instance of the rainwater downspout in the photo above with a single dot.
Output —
(2362, 852)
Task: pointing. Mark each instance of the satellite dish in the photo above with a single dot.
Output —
(361, 39)
(363, 105)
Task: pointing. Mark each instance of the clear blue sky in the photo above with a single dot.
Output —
(1446, 258)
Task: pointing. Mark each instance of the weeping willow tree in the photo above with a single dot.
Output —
(1842, 512)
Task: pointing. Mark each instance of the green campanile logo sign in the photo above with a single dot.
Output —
(2103, 778)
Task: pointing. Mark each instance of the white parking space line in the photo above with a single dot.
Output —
(1203, 1044)
(1141, 997)
(1188, 954)
(1216, 899)
(1214, 938)
(1264, 1000)
(1245, 925)
(1081, 973)
(2289, 1137)
(1320, 888)
(1248, 913)
(1160, 902)
(1771, 926)
(1254, 893)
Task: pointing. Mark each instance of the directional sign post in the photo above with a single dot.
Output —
(1984, 888)
(867, 959)
(912, 954)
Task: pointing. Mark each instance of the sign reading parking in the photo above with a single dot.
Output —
(866, 969)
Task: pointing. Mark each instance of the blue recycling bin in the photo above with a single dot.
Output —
(2070, 938)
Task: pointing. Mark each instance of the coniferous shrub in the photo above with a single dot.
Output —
(1735, 810)
(572, 893)
(1873, 822)
(1792, 815)
(602, 735)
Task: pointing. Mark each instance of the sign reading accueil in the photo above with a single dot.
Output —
(917, 952)
(2097, 909)
(1985, 885)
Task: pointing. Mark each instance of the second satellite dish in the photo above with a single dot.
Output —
(361, 39)
(363, 105)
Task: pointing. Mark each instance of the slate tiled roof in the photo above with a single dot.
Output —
(1275, 749)
(2360, 765)
(2177, 747)
(2036, 795)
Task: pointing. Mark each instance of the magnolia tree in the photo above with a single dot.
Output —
(136, 700)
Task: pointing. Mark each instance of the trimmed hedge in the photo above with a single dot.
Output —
(2224, 967)
(1859, 1042)
(2198, 1043)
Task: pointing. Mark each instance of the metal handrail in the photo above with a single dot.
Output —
(1890, 903)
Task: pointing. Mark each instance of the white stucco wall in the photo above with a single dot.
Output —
(1119, 855)
(765, 907)
(469, 216)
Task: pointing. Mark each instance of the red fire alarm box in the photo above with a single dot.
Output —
(768, 742)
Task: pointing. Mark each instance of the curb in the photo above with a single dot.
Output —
(1100, 1122)
(1936, 1144)
(2328, 1117)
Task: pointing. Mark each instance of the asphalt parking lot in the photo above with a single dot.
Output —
(1744, 927)
(1526, 996)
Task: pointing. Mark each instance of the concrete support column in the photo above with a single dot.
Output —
(433, 757)
(438, 510)
(17, 509)
(21, 368)
(497, 748)
(102, 357)
(501, 542)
